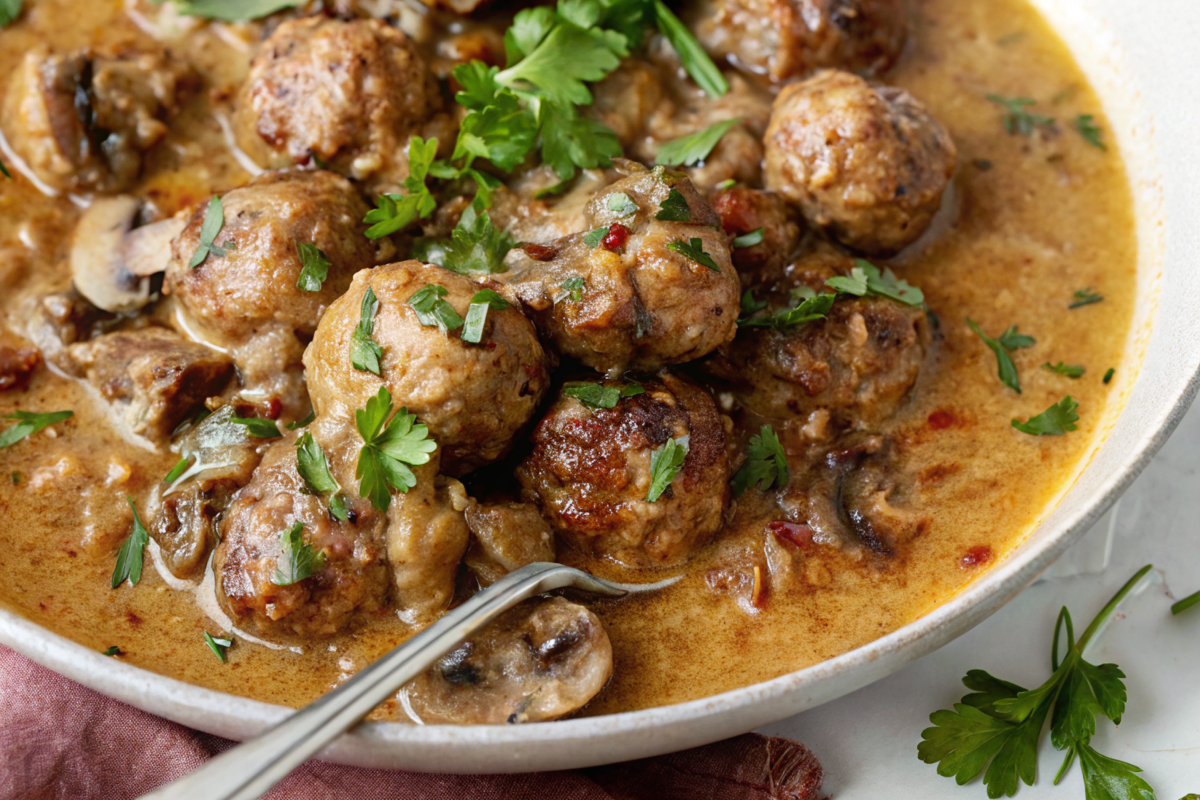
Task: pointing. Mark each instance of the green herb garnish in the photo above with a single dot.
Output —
(433, 311)
(695, 251)
(1001, 722)
(806, 309)
(232, 10)
(396, 212)
(1089, 130)
(749, 239)
(675, 208)
(365, 352)
(302, 423)
(133, 550)
(1108, 376)
(697, 63)
(692, 149)
(177, 471)
(217, 644)
(571, 288)
(620, 204)
(112, 651)
(1073, 371)
(9, 11)
(1085, 297)
(1017, 118)
(314, 267)
(477, 247)
(766, 464)
(214, 219)
(1054, 421)
(752, 306)
(299, 560)
(29, 423)
(593, 238)
(866, 279)
(257, 427)
(313, 469)
(1009, 340)
(477, 312)
(599, 396)
(3, 169)
(665, 464)
(1186, 603)
(388, 452)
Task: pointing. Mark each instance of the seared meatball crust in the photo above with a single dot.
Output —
(347, 93)
(868, 164)
(743, 211)
(643, 303)
(589, 471)
(475, 398)
(786, 39)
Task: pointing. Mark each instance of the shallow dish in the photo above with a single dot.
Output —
(1125, 52)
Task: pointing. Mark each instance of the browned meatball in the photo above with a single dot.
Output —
(789, 38)
(644, 302)
(867, 163)
(540, 661)
(857, 365)
(744, 211)
(475, 398)
(347, 93)
(353, 573)
(83, 121)
(590, 472)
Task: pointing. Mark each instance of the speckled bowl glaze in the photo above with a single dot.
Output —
(1148, 75)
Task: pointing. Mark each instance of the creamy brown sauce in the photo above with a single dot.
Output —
(1030, 222)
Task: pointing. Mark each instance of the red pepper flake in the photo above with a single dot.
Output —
(976, 557)
(617, 236)
(795, 533)
(540, 252)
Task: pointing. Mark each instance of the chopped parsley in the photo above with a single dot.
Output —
(726, 185)
(750, 239)
(571, 288)
(3, 169)
(599, 396)
(396, 212)
(477, 247)
(314, 267)
(1073, 371)
(750, 305)
(9, 11)
(1085, 297)
(1054, 421)
(257, 427)
(692, 149)
(866, 279)
(620, 204)
(365, 352)
(593, 238)
(691, 55)
(133, 550)
(665, 463)
(1186, 603)
(299, 559)
(1009, 341)
(177, 471)
(1001, 722)
(1089, 130)
(433, 311)
(675, 208)
(1108, 376)
(29, 423)
(477, 313)
(218, 644)
(694, 250)
(1017, 117)
(388, 452)
(232, 10)
(766, 463)
(112, 651)
(313, 469)
(808, 307)
(302, 423)
(214, 220)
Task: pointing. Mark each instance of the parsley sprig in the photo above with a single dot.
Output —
(299, 560)
(397, 211)
(477, 246)
(132, 552)
(257, 427)
(389, 451)
(232, 10)
(694, 148)
(314, 267)
(807, 306)
(313, 468)
(665, 464)
(433, 310)
(766, 463)
(214, 220)
(218, 644)
(1090, 131)
(694, 251)
(866, 279)
(1073, 371)
(9, 11)
(29, 423)
(477, 314)
(1009, 341)
(1001, 722)
(600, 396)
(365, 352)
(1085, 297)
(1054, 421)
(1018, 119)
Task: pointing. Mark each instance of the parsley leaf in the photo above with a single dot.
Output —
(593, 238)
(299, 559)
(1074, 371)
(1108, 376)
(433, 311)
(665, 464)
(766, 463)
(1017, 118)
(1054, 421)
(571, 288)
(501, 130)
(232, 10)
(866, 279)
(1089, 130)
(9, 11)
(1085, 297)
(397, 211)
(313, 469)
(620, 204)
(258, 428)
(477, 312)
(751, 239)
(1106, 778)
(562, 61)
(675, 208)
(177, 471)
(750, 305)
(365, 352)
(692, 149)
(214, 220)
(599, 396)
(3, 169)
(218, 644)
(112, 651)
(570, 142)
(1008, 341)
(697, 63)
(809, 309)
(388, 452)
(29, 423)
(302, 423)
(1186, 603)
(695, 251)
(133, 550)
(314, 267)
(477, 247)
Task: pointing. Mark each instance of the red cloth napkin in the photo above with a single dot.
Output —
(61, 740)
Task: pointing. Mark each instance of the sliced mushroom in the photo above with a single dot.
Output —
(145, 251)
(111, 261)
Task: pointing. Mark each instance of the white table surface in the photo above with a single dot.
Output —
(868, 740)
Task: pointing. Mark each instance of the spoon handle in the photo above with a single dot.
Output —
(247, 771)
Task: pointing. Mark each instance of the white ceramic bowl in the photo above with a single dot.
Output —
(1141, 58)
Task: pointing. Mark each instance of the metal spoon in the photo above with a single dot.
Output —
(247, 771)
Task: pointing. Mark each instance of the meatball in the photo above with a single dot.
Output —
(744, 211)
(82, 122)
(857, 365)
(346, 94)
(475, 398)
(248, 300)
(647, 293)
(789, 38)
(590, 472)
(350, 576)
(540, 661)
(867, 163)
(506, 536)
